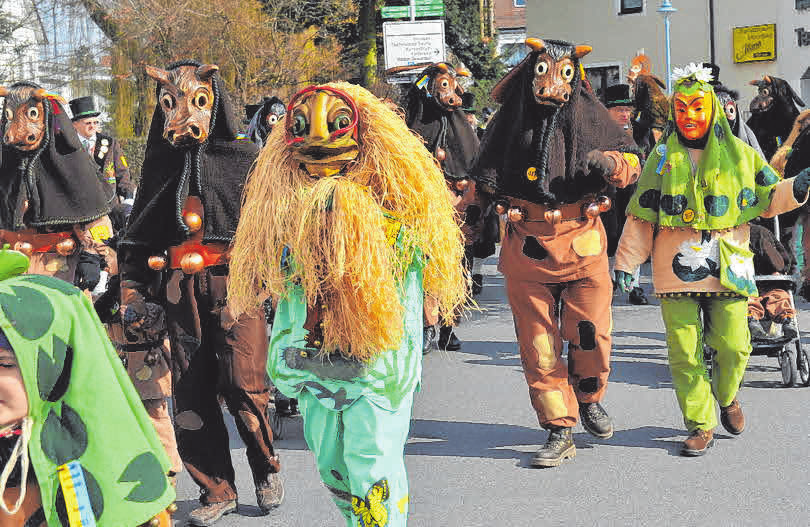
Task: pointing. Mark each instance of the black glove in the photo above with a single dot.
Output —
(88, 271)
(801, 184)
(598, 164)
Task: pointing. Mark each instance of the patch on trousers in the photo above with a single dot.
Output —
(553, 404)
(335, 367)
(587, 244)
(371, 511)
(587, 335)
(188, 420)
(338, 398)
(402, 504)
(250, 420)
(546, 355)
(533, 249)
(589, 385)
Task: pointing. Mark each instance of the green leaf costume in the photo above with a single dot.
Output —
(732, 184)
(82, 402)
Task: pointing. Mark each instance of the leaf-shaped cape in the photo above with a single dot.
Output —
(83, 404)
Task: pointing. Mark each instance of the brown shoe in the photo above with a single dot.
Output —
(209, 514)
(270, 494)
(698, 442)
(732, 418)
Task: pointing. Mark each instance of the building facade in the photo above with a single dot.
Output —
(772, 38)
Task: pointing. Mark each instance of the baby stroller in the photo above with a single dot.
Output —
(782, 341)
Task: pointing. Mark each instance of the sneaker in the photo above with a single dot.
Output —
(755, 328)
(270, 494)
(559, 446)
(210, 513)
(698, 443)
(596, 420)
(428, 335)
(789, 329)
(732, 418)
(448, 340)
(637, 297)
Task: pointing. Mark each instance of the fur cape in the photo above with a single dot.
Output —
(508, 147)
(58, 179)
(214, 170)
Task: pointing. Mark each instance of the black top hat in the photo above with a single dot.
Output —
(468, 102)
(83, 107)
(251, 109)
(618, 95)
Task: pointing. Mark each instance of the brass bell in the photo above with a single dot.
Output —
(605, 203)
(66, 247)
(515, 215)
(192, 263)
(553, 216)
(500, 207)
(462, 184)
(591, 210)
(157, 262)
(193, 221)
(172, 508)
(154, 522)
(441, 155)
(25, 248)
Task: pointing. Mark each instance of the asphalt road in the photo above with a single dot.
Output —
(473, 432)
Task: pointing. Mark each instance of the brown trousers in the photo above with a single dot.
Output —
(585, 322)
(774, 305)
(217, 356)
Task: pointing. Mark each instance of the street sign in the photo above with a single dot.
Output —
(407, 43)
(435, 3)
(398, 11)
(424, 8)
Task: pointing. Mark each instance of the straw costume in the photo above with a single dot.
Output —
(699, 189)
(86, 451)
(549, 154)
(347, 224)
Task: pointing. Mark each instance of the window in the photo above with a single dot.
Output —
(802, 4)
(601, 77)
(627, 7)
(520, 3)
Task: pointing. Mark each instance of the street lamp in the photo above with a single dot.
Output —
(666, 10)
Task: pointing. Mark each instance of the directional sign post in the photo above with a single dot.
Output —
(422, 9)
(407, 43)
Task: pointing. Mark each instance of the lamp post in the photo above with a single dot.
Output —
(666, 10)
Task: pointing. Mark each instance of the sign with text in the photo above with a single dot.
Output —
(407, 43)
(420, 11)
(754, 43)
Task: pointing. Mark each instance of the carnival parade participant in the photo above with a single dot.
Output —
(76, 445)
(549, 154)
(700, 187)
(174, 274)
(106, 152)
(263, 117)
(347, 223)
(57, 213)
(619, 104)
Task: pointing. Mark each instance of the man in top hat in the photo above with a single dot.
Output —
(619, 103)
(107, 154)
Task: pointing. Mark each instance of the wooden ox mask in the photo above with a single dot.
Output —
(186, 97)
(23, 121)
(555, 69)
(444, 87)
(773, 90)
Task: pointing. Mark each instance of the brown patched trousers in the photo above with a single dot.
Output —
(217, 356)
(584, 321)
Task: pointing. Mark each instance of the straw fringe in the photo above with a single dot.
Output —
(335, 230)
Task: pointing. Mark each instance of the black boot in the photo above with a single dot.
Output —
(755, 328)
(477, 284)
(789, 329)
(596, 420)
(559, 446)
(428, 334)
(448, 340)
(637, 297)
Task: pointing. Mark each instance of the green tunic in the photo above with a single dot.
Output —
(338, 382)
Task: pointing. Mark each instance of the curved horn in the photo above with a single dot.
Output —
(399, 69)
(462, 72)
(3, 91)
(536, 44)
(206, 71)
(581, 50)
(39, 94)
(442, 67)
(767, 78)
(161, 76)
(754, 82)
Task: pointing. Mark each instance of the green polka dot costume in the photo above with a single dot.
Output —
(731, 186)
(85, 411)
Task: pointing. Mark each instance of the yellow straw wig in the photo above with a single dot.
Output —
(335, 229)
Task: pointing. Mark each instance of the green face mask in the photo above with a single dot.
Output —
(731, 184)
(84, 413)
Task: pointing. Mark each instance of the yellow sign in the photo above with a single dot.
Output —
(754, 43)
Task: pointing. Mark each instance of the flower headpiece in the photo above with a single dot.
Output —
(697, 71)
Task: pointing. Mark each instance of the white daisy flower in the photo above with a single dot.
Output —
(701, 73)
(696, 255)
(741, 266)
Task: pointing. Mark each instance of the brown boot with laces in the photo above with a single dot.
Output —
(732, 418)
(698, 442)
